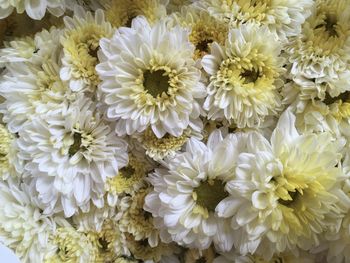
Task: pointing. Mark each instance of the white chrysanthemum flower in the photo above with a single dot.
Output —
(71, 246)
(34, 50)
(80, 43)
(188, 192)
(109, 241)
(94, 219)
(159, 148)
(245, 76)
(145, 85)
(10, 164)
(234, 257)
(205, 29)
(285, 191)
(331, 115)
(30, 90)
(283, 17)
(336, 241)
(141, 250)
(320, 54)
(22, 226)
(122, 12)
(130, 178)
(34, 9)
(70, 154)
(133, 219)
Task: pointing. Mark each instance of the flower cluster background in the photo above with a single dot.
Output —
(175, 131)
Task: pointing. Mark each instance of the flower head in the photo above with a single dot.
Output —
(70, 154)
(145, 85)
(320, 54)
(80, 45)
(188, 192)
(245, 76)
(285, 191)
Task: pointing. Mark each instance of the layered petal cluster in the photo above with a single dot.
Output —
(245, 75)
(145, 85)
(80, 43)
(23, 227)
(34, 9)
(288, 190)
(69, 155)
(186, 202)
(282, 17)
(319, 56)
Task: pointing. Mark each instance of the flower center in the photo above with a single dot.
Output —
(210, 193)
(127, 172)
(294, 196)
(75, 147)
(344, 97)
(250, 76)
(104, 243)
(330, 25)
(203, 45)
(201, 260)
(155, 82)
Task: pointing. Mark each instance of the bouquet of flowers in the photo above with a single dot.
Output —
(175, 130)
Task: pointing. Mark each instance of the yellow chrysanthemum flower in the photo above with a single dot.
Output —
(283, 18)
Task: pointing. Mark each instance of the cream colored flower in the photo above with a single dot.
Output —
(285, 193)
(42, 47)
(23, 228)
(189, 190)
(319, 56)
(282, 17)
(71, 246)
(30, 90)
(133, 219)
(109, 242)
(145, 85)
(34, 9)
(205, 29)
(69, 155)
(122, 12)
(245, 76)
(80, 45)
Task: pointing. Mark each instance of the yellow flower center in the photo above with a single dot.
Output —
(156, 82)
(76, 146)
(209, 194)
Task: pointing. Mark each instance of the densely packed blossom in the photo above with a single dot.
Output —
(175, 131)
